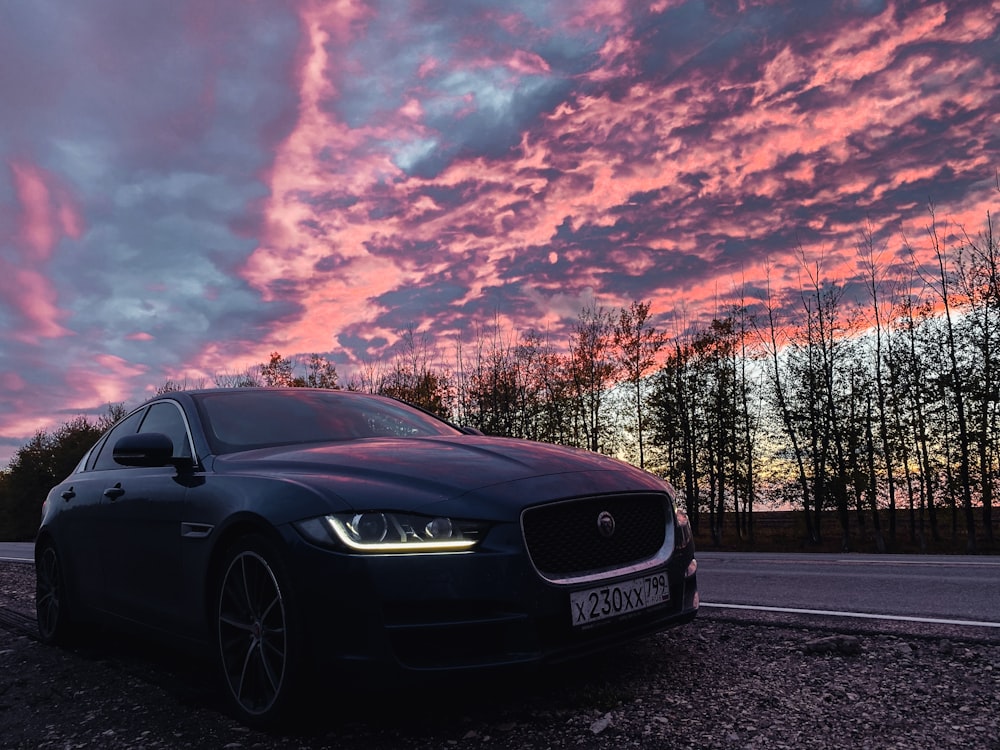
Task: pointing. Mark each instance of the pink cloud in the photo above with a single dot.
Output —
(11, 382)
(105, 379)
(117, 366)
(46, 213)
(598, 14)
(528, 63)
(23, 422)
(32, 298)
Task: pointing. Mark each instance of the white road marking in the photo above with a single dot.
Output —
(866, 561)
(928, 563)
(858, 615)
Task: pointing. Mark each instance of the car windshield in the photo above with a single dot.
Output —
(239, 420)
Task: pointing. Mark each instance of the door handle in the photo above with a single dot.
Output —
(113, 493)
(67, 494)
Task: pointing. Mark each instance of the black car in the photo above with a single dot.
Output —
(291, 529)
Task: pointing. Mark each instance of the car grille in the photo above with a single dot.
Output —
(565, 541)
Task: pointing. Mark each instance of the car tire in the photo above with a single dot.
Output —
(52, 611)
(256, 633)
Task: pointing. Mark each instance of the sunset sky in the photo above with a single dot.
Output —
(187, 186)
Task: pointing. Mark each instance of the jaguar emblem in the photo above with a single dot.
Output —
(606, 524)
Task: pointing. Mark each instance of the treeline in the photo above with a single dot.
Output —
(39, 464)
(507, 383)
(869, 398)
(873, 399)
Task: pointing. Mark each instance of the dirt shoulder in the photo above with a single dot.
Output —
(719, 682)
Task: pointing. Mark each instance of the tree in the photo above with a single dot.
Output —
(943, 285)
(277, 372)
(490, 378)
(979, 279)
(748, 414)
(637, 344)
(817, 364)
(40, 464)
(773, 339)
(428, 389)
(917, 396)
(411, 378)
(170, 386)
(676, 420)
(320, 373)
(870, 261)
(593, 368)
(282, 372)
(715, 361)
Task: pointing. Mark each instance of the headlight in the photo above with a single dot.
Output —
(380, 531)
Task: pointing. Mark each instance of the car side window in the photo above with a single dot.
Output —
(128, 426)
(165, 417)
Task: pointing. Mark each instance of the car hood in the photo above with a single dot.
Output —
(413, 474)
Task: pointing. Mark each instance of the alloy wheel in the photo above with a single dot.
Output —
(253, 639)
(49, 606)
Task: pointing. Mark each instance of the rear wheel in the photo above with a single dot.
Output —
(51, 597)
(256, 641)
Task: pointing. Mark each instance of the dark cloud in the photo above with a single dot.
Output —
(409, 252)
(361, 347)
(413, 304)
(480, 82)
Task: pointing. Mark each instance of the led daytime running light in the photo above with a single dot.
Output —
(348, 537)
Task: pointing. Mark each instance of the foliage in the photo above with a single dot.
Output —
(280, 372)
(41, 463)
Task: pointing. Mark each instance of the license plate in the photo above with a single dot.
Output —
(616, 599)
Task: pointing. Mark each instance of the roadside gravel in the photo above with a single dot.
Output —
(720, 682)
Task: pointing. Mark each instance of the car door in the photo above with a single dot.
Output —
(141, 516)
(79, 533)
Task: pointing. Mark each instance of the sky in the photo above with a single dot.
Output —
(188, 186)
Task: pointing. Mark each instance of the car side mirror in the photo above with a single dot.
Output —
(148, 449)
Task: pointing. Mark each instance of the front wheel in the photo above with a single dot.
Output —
(255, 636)
(51, 597)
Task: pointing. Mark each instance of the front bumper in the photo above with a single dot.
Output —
(482, 609)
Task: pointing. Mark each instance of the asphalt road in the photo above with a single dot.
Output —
(918, 586)
(963, 589)
(14, 551)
